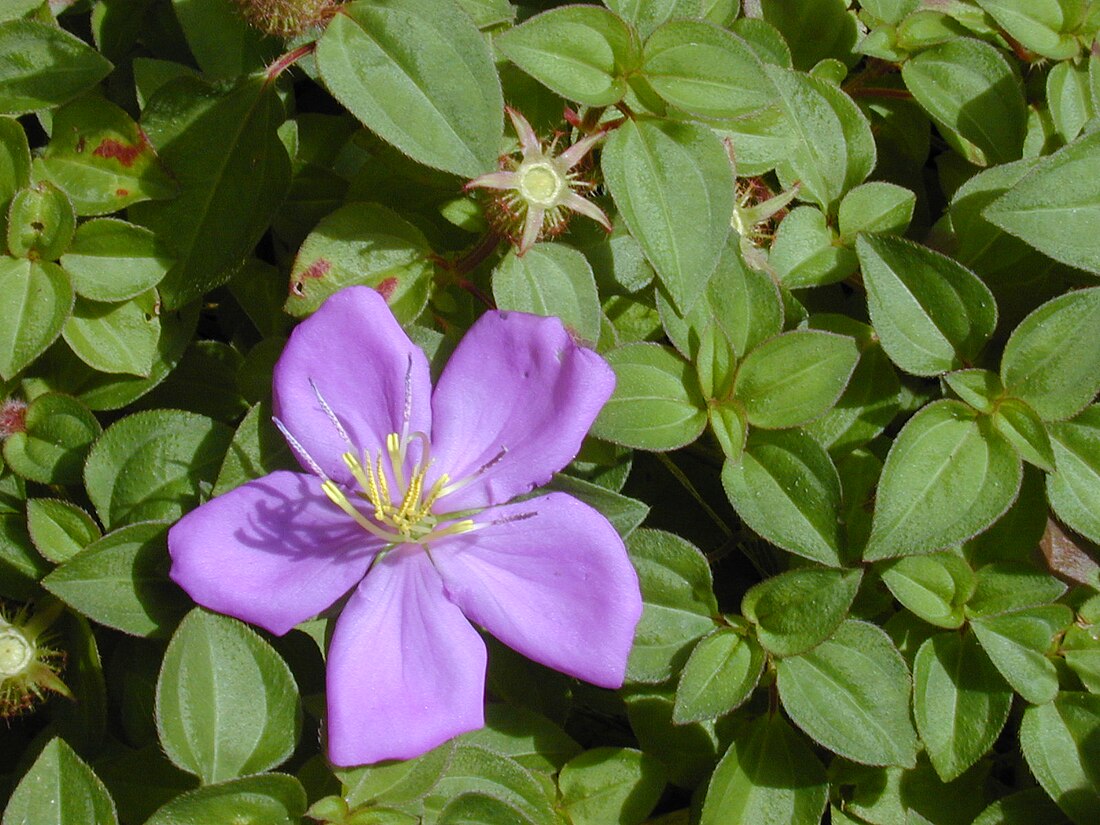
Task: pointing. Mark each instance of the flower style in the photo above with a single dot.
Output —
(537, 192)
(406, 505)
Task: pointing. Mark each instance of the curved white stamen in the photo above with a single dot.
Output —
(331, 415)
(458, 485)
(299, 449)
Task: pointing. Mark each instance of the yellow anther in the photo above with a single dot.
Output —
(357, 470)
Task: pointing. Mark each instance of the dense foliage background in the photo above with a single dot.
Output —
(850, 298)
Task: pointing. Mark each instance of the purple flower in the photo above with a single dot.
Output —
(406, 506)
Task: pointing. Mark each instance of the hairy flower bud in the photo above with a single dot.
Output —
(13, 417)
(286, 18)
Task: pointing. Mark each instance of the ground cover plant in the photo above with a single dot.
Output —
(464, 411)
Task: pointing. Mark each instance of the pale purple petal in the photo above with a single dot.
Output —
(528, 140)
(575, 153)
(587, 208)
(354, 354)
(493, 180)
(531, 228)
(512, 407)
(272, 552)
(406, 670)
(551, 579)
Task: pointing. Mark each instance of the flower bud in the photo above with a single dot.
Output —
(286, 18)
(28, 667)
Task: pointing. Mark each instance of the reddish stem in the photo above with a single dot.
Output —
(285, 61)
(879, 91)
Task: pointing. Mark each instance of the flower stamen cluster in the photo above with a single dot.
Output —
(533, 196)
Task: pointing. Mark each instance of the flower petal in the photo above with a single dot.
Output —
(512, 407)
(550, 578)
(587, 208)
(353, 354)
(406, 671)
(273, 552)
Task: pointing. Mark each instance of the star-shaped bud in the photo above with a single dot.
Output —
(533, 195)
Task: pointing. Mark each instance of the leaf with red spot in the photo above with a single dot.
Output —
(102, 159)
(363, 243)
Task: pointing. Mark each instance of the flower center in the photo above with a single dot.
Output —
(402, 506)
(540, 183)
(15, 652)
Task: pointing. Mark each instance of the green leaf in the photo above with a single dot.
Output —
(610, 785)
(35, 299)
(973, 94)
(769, 776)
(20, 566)
(529, 738)
(1080, 647)
(1043, 26)
(59, 369)
(718, 677)
(223, 149)
(59, 431)
(60, 789)
(271, 799)
(1023, 808)
(257, 448)
(102, 159)
(1061, 743)
(877, 206)
(111, 260)
(581, 52)
(227, 704)
(795, 377)
(935, 587)
(806, 251)
(419, 74)
(550, 279)
(477, 808)
(687, 751)
(43, 66)
(40, 222)
(960, 702)
(1051, 361)
(647, 15)
(931, 314)
(112, 338)
(831, 31)
(396, 783)
(795, 611)
(1068, 98)
(121, 580)
(851, 694)
(15, 162)
(979, 388)
(223, 43)
(1020, 424)
(704, 69)
(871, 399)
(59, 529)
(1053, 208)
(150, 465)
(678, 599)
(947, 477)
(1018, 644)
(786, 488)
(1074, 489)
(831, 148)
(744, 303)
(673, 185)
(362, 243)
(494, 775)
(1005, 586)
(656, 404)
